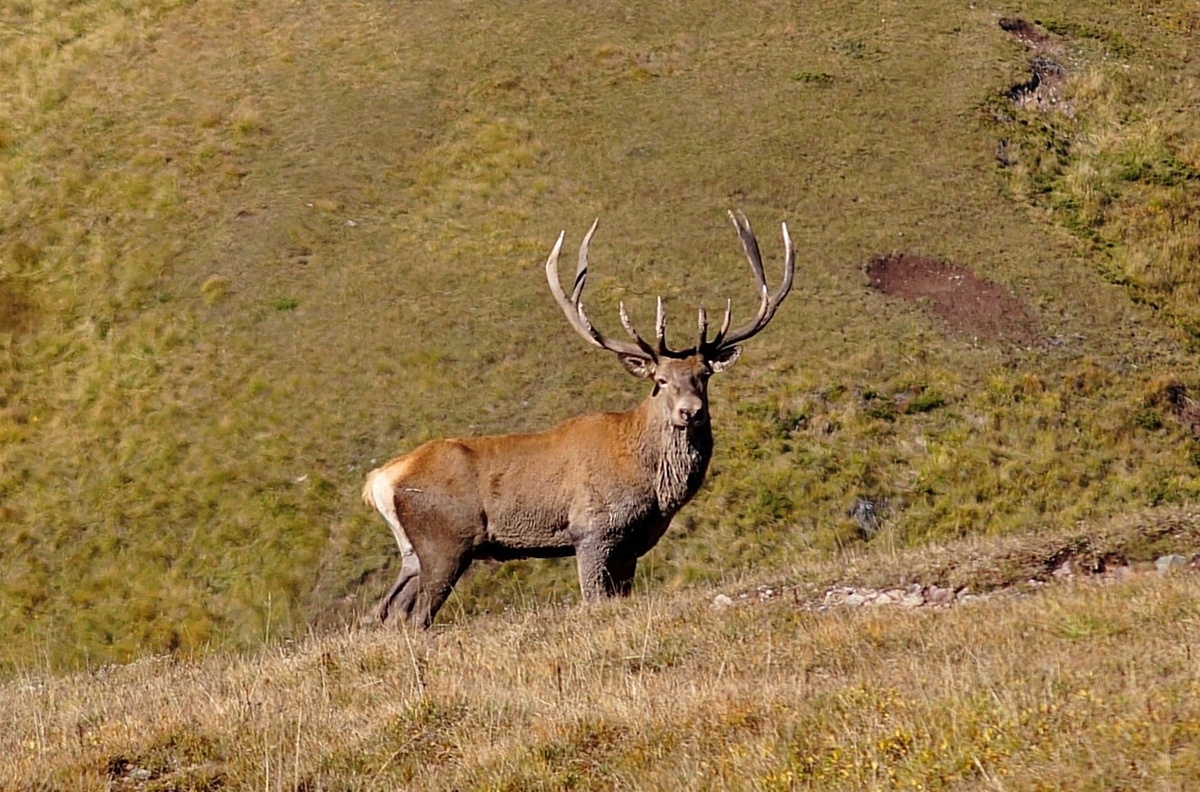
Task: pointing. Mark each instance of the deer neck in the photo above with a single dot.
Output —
(677, 458)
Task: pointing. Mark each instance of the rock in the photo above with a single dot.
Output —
(936, 595)
(888, 597)
(1169, 563)
(912, 600)
(1065, 571)
(1122, 572)
(854, 600)
(721, 601)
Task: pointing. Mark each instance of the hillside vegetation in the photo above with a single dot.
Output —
(248, 251)
(1093, 685)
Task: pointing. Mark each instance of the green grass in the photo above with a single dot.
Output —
(248, 252)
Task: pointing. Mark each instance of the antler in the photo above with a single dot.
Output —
(573, 308)
(577, 316)
(768, 303)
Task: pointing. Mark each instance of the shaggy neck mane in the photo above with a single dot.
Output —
(679, 459)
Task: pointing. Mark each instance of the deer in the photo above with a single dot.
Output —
(601, 487)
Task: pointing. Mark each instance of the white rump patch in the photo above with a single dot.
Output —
(383, 497)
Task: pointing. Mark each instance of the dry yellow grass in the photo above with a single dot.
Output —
(1090, 685)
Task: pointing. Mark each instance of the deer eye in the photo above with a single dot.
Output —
(660, 382)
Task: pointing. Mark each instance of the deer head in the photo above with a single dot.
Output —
(680, 376)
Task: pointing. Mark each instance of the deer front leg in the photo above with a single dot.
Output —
(620, 575)
(603, 574)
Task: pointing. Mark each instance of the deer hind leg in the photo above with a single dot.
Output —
(439, 573)
(404, 590)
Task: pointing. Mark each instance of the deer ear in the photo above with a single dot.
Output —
(637, 366)
(725, 358)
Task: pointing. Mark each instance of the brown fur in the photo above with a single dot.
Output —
(602, 487)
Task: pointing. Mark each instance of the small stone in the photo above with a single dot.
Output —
(1122, 572)
(888, 597)
(854, 600)
(936, 595)
(1066, 570)
(721, 601)
(1169, 563)
(912, 600)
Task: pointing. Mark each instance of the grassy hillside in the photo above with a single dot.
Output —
(247, 251)
(1084, 686)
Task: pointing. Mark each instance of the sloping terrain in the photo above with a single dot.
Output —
(1084, 683)
(249, 251)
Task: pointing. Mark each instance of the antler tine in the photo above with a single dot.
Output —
(789, 272)
(628, 325)
(716, 342)
(660, 328)
(703, 323)
(581, 270)
(573, 309)
(750, 245)
(769, 303)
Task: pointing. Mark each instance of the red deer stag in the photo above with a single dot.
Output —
(600, 487)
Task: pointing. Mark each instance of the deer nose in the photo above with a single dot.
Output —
(689, 415)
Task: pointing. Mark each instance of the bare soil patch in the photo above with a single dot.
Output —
(1043, 90)
(970, 306)
(1030, 34)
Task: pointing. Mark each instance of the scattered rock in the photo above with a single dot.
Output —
(855, 599)
(936, 595)
(721, 601)
(888, 597)
(1169, 563)
(766, 593)
(1064, 570)
(1062, 567)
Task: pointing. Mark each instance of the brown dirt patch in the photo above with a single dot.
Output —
(1043, 90)
(1030, 35)
(1172, 397)
(969, 305)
